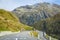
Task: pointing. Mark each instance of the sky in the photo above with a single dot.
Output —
(12, 4)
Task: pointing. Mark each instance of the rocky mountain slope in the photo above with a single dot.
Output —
(42, 16)
(9, 22)
(30, 14)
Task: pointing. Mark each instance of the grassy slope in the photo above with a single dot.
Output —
(9, 22)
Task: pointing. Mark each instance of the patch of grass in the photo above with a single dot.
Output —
(9, 22)
(34, 33)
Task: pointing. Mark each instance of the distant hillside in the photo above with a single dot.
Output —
(50, 25)
(30, 14)
(9, 22)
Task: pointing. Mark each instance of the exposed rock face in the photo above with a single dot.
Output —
(30, 14)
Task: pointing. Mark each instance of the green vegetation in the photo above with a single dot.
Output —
(9, 22)
(50, 25)
(47, 36)
(53, 26)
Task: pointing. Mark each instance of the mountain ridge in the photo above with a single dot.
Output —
(30, 14)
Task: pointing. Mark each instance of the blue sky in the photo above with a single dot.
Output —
(12, 4)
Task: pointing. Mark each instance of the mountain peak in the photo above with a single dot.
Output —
(36, 12)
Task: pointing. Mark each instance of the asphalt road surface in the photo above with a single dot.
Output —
(23, 36)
